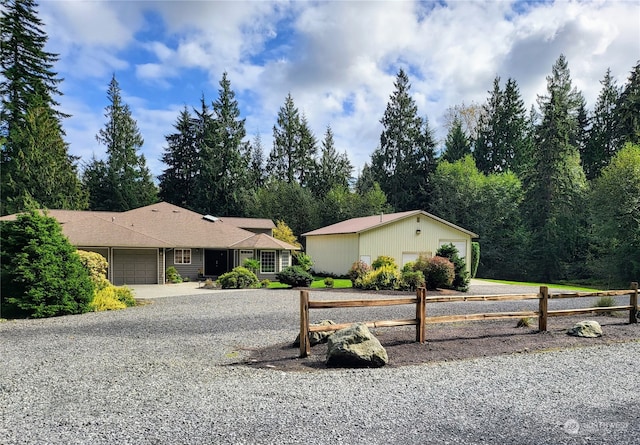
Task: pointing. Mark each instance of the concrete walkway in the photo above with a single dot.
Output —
(149, 291)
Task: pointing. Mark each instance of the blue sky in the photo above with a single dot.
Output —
(337, 59)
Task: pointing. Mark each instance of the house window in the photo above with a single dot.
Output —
(182, 256)
(285, 259)
(268, 261)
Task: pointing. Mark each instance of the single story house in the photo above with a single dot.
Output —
(403, 236)
(140, 244)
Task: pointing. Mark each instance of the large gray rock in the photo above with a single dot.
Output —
(355, 346)
(588, 328)
(315, 338)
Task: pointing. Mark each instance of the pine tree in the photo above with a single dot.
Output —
(128, 182)
(405, 158)
(222, 179)
(333, 168)
(628, 110)
(256, 175)
(34, 161)
(306, 154)
(555, 186)
(601, 144)
(457, 144)
(178, 180)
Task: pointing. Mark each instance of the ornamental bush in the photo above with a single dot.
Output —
(303, 260)
(384, 260)
(172, 275)
(411, 280)
(294, 276)
(41, 273)
(461, 279)
(107, 300)
(358, 270)
(440, 273)
(384, 278)
(239, 278)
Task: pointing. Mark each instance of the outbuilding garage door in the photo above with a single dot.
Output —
(135, 266)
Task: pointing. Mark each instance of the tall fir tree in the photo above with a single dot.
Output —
(178, 181)
(405, 158)
(457, 145)
(292, 157)
(256, 174)
(34, 160)
(222, 176)
(503, 143)
(555, 185)
(628, 110)
(333, 168)
(601, 144)
(128, 183)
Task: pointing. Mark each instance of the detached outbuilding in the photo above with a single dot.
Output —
(403, 236)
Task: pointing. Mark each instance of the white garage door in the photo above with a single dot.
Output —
(135, 266)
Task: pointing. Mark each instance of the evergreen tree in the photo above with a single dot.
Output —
(555, 185)
(223, 169)
(292, 157)
(42, 275)
(457, 144)
(34, 159)
(628, 110)
(503, 143)
(365, 180)
(405, 158)
(256, 175)
(332, 170)
(178, 180)
(128, 182)
(601, 144)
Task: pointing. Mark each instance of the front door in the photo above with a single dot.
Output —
(215, 262)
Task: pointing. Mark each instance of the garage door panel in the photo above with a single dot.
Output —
(135, 266)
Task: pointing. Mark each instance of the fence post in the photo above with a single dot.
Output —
(305, 345)
(633, 302)
(543, 309)
(421, 314)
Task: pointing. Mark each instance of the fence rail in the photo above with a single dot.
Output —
(421, 300)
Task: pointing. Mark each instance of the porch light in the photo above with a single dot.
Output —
(418, 231)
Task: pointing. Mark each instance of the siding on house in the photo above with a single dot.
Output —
(333, 253)
(186, 270)
(401, 238)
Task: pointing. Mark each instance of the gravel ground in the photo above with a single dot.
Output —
(172, 372)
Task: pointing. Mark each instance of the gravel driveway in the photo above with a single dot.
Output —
(170, 372)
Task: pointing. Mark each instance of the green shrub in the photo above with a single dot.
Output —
(384, 260)
(440, 273)
(384, 278)
(411, 279)
(328, 282)
(252, 264)
(422, 264)
(358, 270)
(265, 283)
(172, 275)
(461, 279)
(304, 260)
(475, 258)
(408, 267)
(41, 273)
(239, 278)
(294, 276)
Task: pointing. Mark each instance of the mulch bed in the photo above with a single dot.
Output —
(459, 341)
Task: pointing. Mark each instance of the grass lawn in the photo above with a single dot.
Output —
(318, 283)
(549, 285)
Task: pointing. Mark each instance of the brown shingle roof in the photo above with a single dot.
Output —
(249, 223)
(263, 241)
(362, 224)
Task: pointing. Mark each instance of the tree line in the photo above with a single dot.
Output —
(553, 189)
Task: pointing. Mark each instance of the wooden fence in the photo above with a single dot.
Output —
(543, 313)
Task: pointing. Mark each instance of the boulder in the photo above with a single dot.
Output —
(588, 328)
(315, 338)
(355, 346)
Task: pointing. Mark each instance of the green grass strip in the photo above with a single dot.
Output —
(549, 285)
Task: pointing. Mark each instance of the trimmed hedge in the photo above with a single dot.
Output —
(294, 276)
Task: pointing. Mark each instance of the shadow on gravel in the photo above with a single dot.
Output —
(457, 341)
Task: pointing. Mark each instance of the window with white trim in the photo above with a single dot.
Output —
(268, 261)
(182, 256)
(285, 259)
